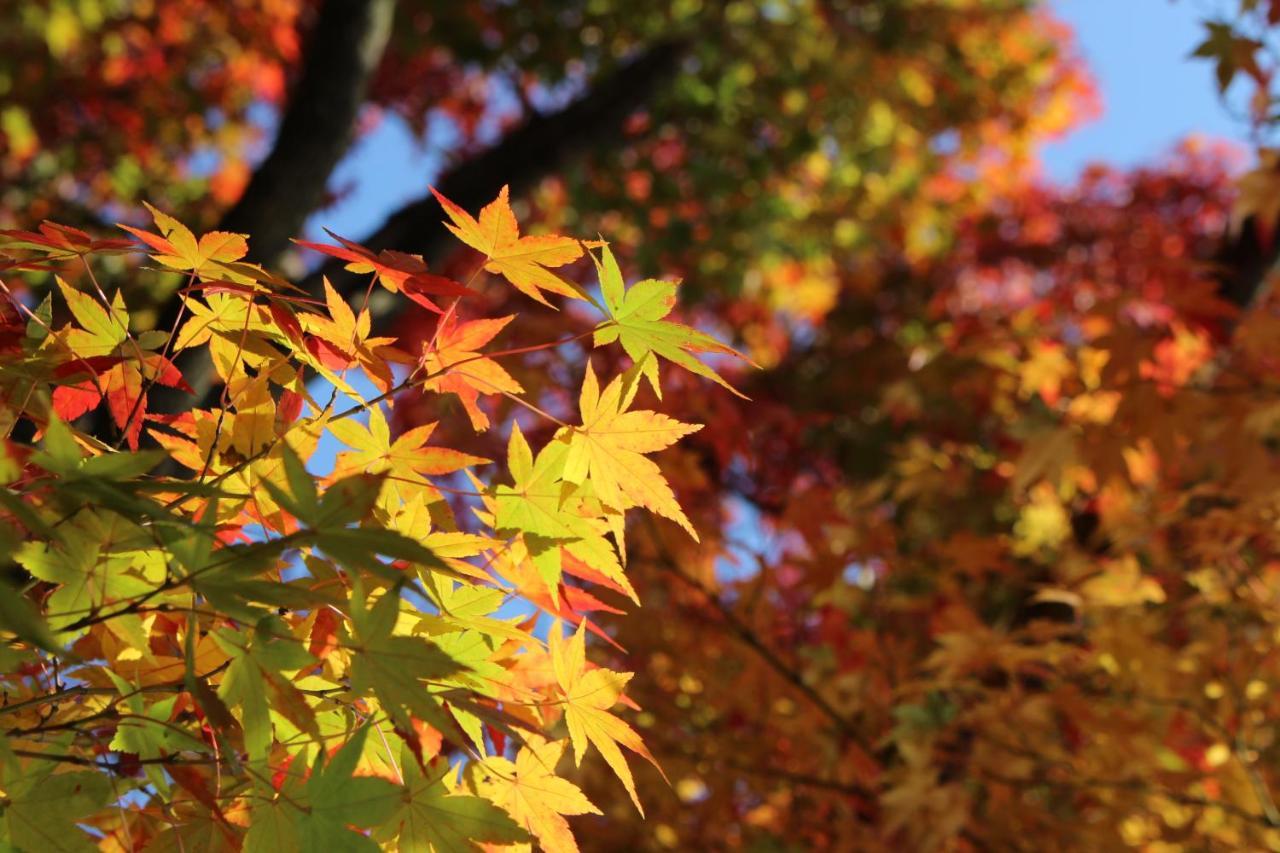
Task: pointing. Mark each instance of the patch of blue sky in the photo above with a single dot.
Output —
(750, 542)
(322, 461)
(1154, 94)
(385, 169)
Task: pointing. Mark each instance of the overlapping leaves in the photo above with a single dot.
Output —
(271, 658)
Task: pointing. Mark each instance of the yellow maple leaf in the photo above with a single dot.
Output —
(1121, 583)
(1045, 370)
(524, 261)
(608, 450)
(534, 796)
(588, 696)
(1042, 523)
(177, 248)
(407, 460)
(227, 314)
(253, 426)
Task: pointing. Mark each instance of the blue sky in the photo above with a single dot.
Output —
(1153, 94)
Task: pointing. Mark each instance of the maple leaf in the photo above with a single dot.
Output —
(42, 808)
(524, 261)
(222, 314)
(253, 426)
(537, 575)
(1121, 583)
(607, 450)
(254, 682)
(1044, 371)
(463, 371)
(535, 506)
(407, 460)
(393, 667)
(101, 330)
(396, 271)
(588, 696)
(119, 366)
(56, 239)
(636, 321)
(532, 794)
(434, 819)
(316, 813)
(342, 339)
(94, 562)
(177, 248)
(1233, 53)
(1257, 195)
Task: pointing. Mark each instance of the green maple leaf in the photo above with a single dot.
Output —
(431, 819)
(337, 799)
(101, 331)
(395, 667)
(636, 320)
(254, 681)
(535, 505)
(147, 731)
(317, 815)
(96, 560)
(41, 810)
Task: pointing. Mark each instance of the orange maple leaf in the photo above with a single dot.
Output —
(463, 371)
(524, 261)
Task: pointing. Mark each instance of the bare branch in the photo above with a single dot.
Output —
(317, 127)
(535, 149)
(1245, 263)
(527, 154)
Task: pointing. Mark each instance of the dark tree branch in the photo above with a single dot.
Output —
(317, 127)
(788, 672)
(526, 155)
(1245, 260)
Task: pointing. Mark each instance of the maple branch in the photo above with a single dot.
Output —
(1084, 783)
(317, 127)
(749, 638)
(538, 147)
(77, 691)
(102, 764)
(851, 789)
(523, 157)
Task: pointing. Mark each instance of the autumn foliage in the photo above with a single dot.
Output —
(265, 658)
(735, 442)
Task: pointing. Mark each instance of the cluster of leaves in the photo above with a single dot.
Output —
(209, 645)
(106, 97)
(1013, 577)
(1243, 43)
(989, 557)
(799, 135)
(1240, 43)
